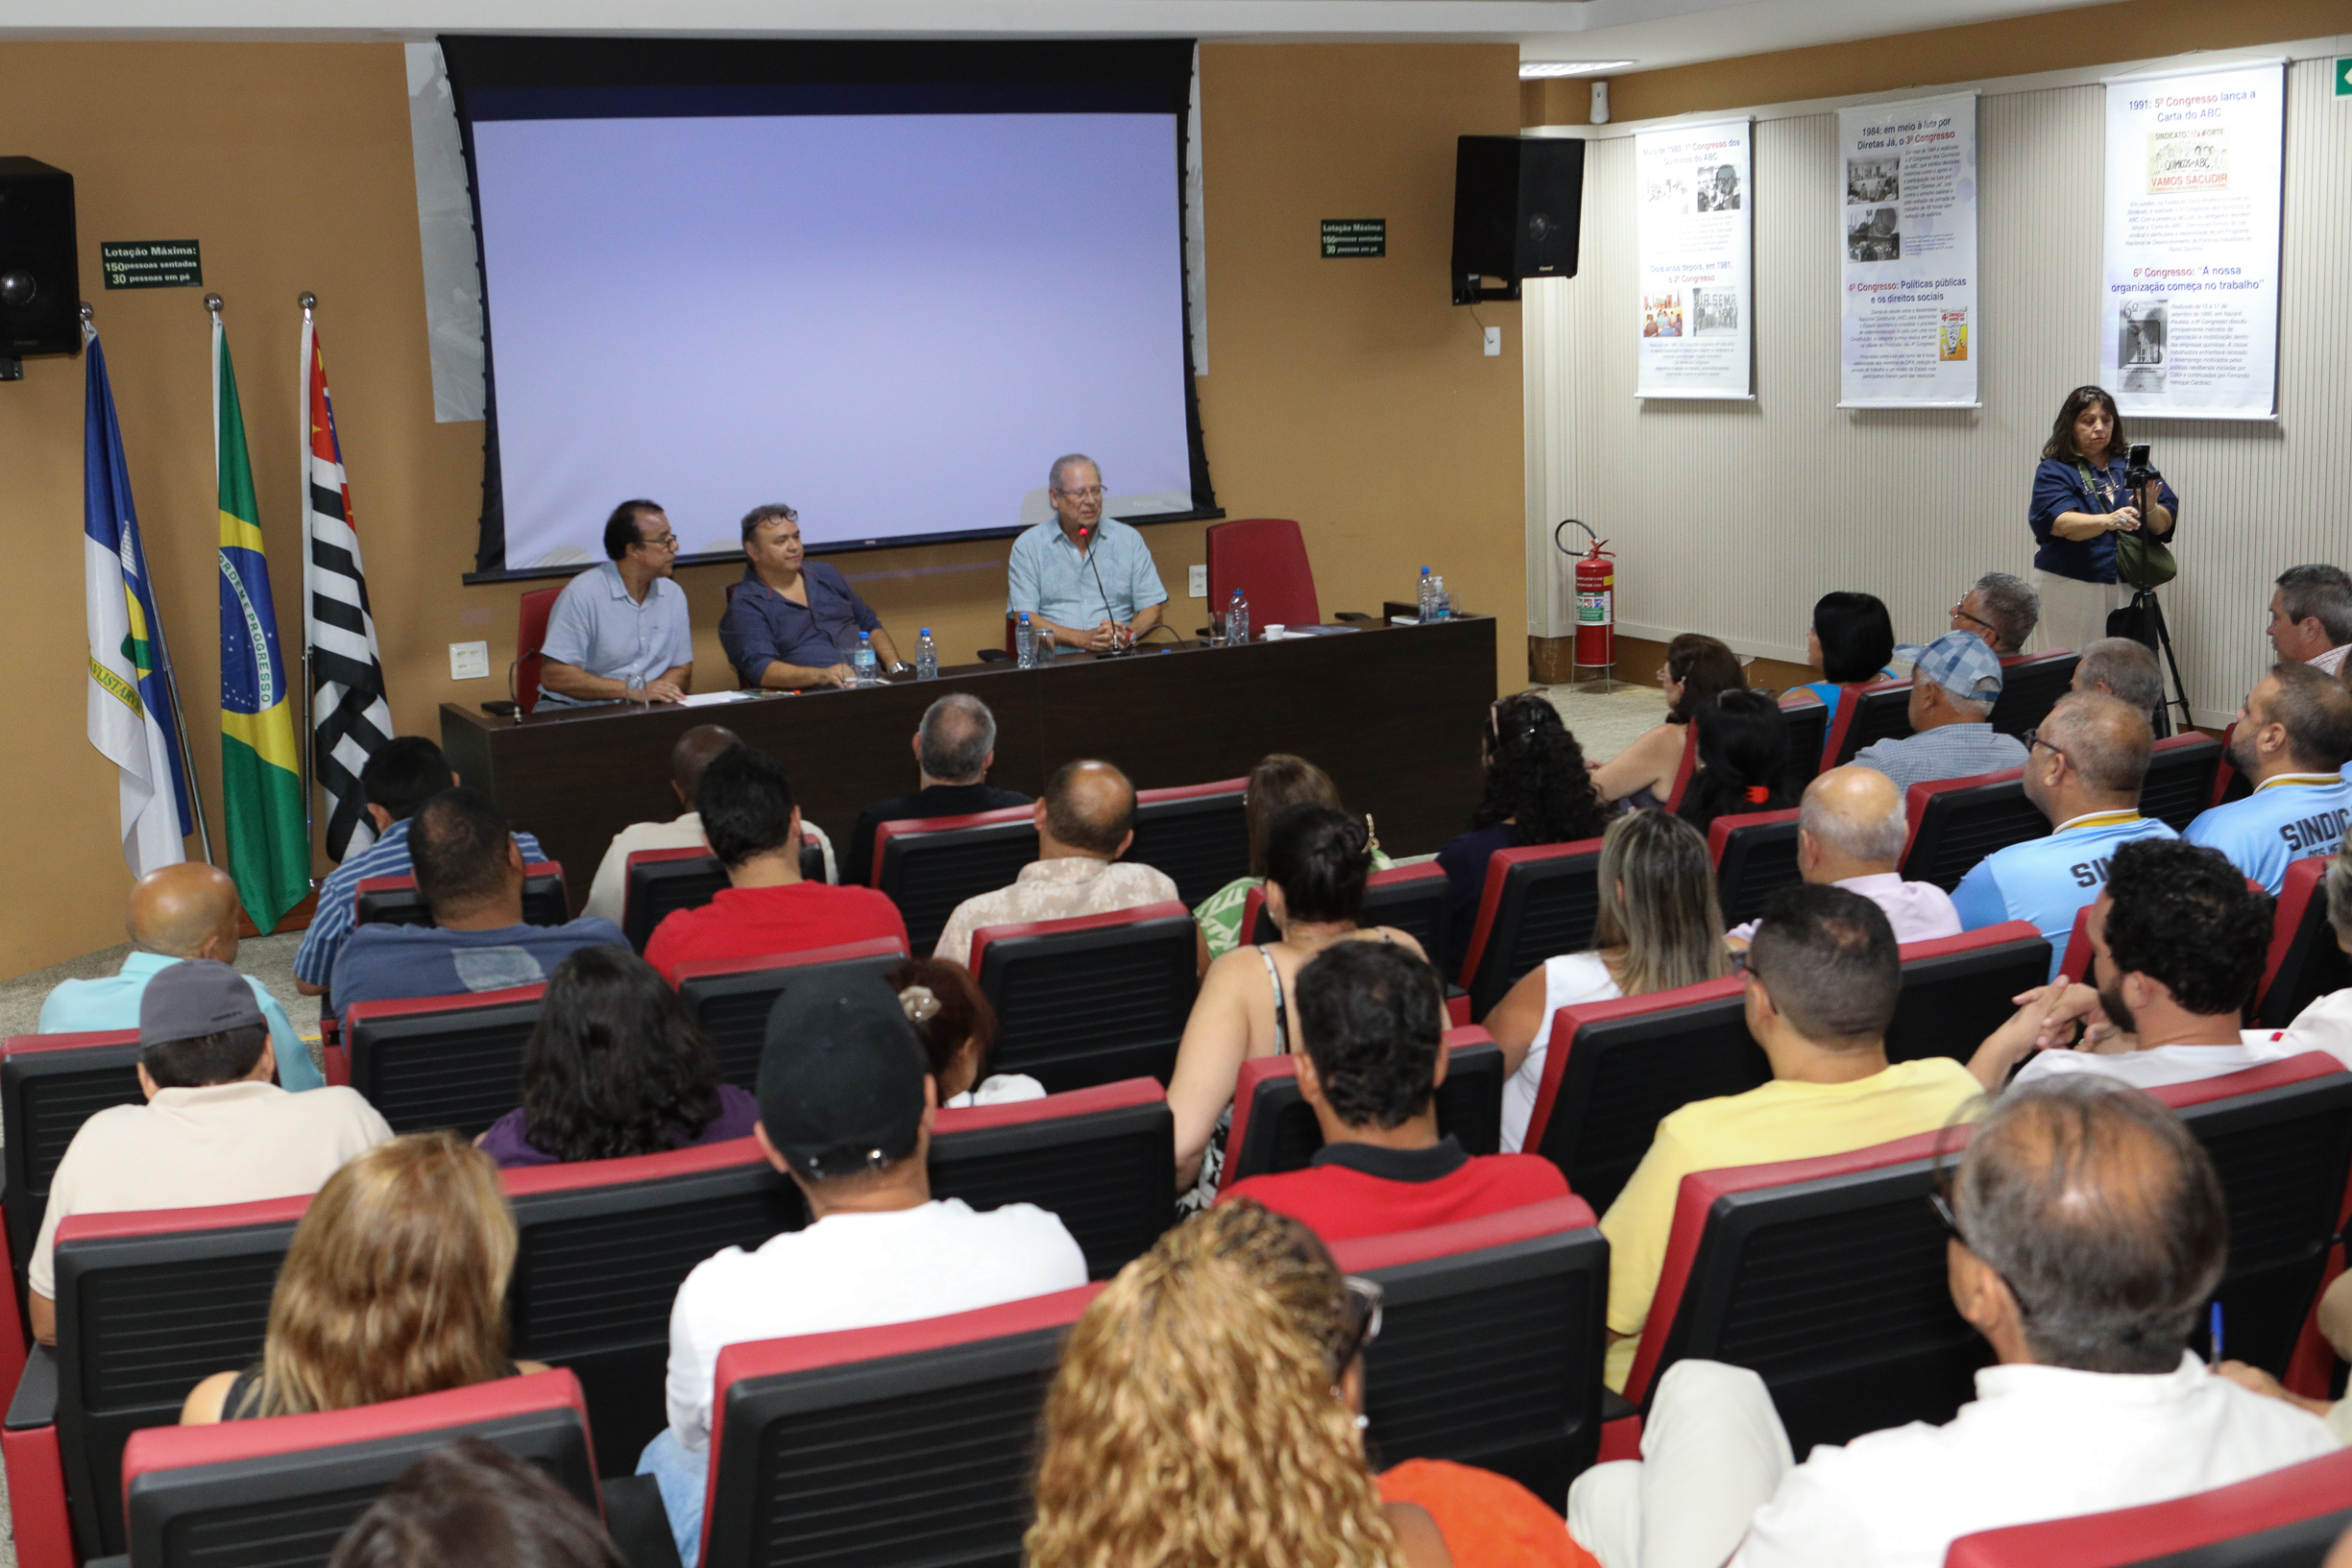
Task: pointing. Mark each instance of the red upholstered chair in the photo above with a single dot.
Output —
(2306, 963)
(731, 997)
(1266, 559)
(530, 635)
(2228, 784)
(658, 883)
(1755, 857)
(427, 1062)
(802, 1428)
(2030, 687)
(49, 1085)
(2182, 775)
(1093, 999)
(928, 865)
(1198, 833)
(1956, 989)
(394, 901)
(1957, 822)
(1410, 898)
(1613, 1070)
(285, 1488)
(1538, 902)
(1103, 1160)
(1274, 1129)
(1878, 711)
(1827, 1278)
(2285, 1519)
(1491, 1343)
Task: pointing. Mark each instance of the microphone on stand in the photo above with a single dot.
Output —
(1085, 537)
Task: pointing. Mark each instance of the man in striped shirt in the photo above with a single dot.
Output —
(400, 775)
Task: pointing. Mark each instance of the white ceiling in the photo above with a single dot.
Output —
(1653, 32)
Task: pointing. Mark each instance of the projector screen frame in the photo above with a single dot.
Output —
(668, 75)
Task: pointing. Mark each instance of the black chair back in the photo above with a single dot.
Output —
(1755, 857)
(1547, 901)
(1634, 1063)
(1879, 712)
(394, 901)
(49, 1085)
(1956, 991)
(1093, 1000)
(1274, 1129)
(659, 883)
(1101, 1160)
(2179, 782)
(1199, 836)
(731, 997)
(1957, 822)
(2306, 962)
(1809, 729)
(927, 867)
(1410, 898)
(451, 1062)
(1491, 1343)
(2030, 688)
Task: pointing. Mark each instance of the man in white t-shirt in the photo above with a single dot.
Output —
(846, 1106)
(1851, 829)
(215, 1129)
(2088, 1230)
(2178, 942)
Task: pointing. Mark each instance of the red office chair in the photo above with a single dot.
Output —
(2287, 1516)
(531, 631)
(1266, 559)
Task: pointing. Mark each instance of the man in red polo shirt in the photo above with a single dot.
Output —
(1372, 1025)
(754, 828)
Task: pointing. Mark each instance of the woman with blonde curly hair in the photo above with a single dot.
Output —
(394, 1285)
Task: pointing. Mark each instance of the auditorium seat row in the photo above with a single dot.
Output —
(1876, 710)
(1825, 1276)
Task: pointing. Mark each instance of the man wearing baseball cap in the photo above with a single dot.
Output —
(215, 1129)
(847, 1105)
(1955, 682)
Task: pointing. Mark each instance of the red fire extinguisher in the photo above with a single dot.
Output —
(1596, 593)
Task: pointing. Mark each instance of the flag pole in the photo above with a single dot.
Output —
(310, 302)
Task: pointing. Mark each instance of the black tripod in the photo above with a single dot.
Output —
(2142, 621)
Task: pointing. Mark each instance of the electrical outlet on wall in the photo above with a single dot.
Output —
(1494, 342)
(1196, 582)
(468, 661)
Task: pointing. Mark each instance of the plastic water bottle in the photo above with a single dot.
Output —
(1024, 643)
(1441, 608)
(926, 657)
(864, 665)
(1237, 618)
(1423, 611)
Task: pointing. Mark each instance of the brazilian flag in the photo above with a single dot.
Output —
(269, 841)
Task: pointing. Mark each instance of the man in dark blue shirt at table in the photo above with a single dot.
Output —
(793, 623)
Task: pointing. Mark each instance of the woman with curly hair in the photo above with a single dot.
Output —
(1538, 792)
(616, 1066)
(394, 1285)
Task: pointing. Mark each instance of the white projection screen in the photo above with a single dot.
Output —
(889, 308)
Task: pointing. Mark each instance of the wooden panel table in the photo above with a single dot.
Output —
(1395, 714)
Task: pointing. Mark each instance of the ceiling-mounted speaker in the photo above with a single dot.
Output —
(40, 281)
(1518, 211)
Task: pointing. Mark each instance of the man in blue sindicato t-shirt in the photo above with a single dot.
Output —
(2292, 739)
(470, 875)
(2083, 770)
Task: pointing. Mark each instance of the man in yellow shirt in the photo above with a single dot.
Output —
(1822, 979)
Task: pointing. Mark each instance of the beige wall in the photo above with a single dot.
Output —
(2048, 41)
(1348, 395)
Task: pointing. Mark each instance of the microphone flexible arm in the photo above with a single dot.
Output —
(1086, 541)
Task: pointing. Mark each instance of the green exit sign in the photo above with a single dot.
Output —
(2344, 76)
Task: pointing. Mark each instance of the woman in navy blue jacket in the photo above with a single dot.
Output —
(2080, 504)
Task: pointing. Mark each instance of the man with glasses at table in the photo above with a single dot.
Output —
(1083, 577)
(2083, 770)
(618, 631)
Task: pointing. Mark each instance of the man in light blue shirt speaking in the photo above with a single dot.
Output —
(622, 621)
(179, 912)
(2084, 766)
(1086, 578)
(2292, 738)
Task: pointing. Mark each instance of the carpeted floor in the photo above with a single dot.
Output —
(1606, 723)
(270, 959)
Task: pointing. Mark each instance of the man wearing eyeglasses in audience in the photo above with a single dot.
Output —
(1083, 577)
(618, 631)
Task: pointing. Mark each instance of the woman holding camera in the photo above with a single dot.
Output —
(2083, 509)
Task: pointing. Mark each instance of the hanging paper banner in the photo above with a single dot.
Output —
(1908, 336)
(1692, 186)
(2189, 318)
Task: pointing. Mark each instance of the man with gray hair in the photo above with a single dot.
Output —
(955, 747)
(2084, 766)
(2087, 1230)
(1954, 682)
(2311, 617)
(2123, 668)
(1851, 829)
(2003, 610)
(1083, 577)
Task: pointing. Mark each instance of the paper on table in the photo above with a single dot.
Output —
(706, 699)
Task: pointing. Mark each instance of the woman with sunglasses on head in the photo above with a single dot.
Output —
(2081, 511)
(1538, 792)
(1209, 1410)
(1698, 669)
(1659, 927)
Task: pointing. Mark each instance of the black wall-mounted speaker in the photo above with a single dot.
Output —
(40, 281)
(1519, 208)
